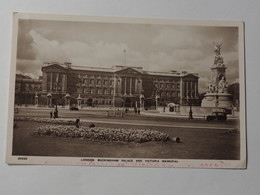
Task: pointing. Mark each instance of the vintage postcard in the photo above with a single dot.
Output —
(105, 91)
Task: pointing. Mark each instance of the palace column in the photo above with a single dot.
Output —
(119, 83)
(130, 86)
(125, 86)
(136, 87)
(195, 90)
(191, 89)
(63, 83)
(57, 81)
(187, 89)
(140, 85)
(51, 83)
(115, 86)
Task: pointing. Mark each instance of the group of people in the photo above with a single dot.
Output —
(137, 111)
(54, 114)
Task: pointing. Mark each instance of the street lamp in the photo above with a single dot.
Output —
(190, 112)
(67, 96)
(36, 99)
(79, 101)
(141, 100)
(50, 100)
(157, 97)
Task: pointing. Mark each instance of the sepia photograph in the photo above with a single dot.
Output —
(107, 91)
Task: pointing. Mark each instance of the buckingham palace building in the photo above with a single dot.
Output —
(119, 86)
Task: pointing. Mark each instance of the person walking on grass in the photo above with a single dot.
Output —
(77, 122)
(51, 115)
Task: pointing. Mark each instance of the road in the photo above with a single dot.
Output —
(101, 116)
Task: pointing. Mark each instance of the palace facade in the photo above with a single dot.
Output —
(119, 86)
(26, 89)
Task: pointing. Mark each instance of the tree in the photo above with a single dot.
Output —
(233, 89)
(201, 96)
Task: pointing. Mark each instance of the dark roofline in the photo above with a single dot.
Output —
(117, 68)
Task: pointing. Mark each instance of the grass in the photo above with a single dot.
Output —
(195, 144)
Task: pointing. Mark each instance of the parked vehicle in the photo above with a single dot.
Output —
(221, 116)
(74, 108)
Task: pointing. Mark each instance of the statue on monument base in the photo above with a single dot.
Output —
(217, 94)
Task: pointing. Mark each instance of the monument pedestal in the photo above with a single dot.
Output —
(213, 100)
(217, 95)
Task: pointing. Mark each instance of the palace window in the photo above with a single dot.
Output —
(161, 85)
(26, 87)
(92, 91)
(48, 77)
(178, 86)
(105, 91)
(167, 85)
(111, 82)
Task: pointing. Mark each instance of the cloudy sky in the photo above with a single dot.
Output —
(152, 46)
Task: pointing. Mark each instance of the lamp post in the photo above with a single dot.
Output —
(50, 100)
(36, 100)
(190, 112)
(157, 97)
(79, 101)
(141, 101)
(67, 96)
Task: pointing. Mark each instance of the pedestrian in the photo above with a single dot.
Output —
(51, 115)
(107, 113)
(77, 122)
(135, 110)
(54, 114)
(138, 111)
(190, 115)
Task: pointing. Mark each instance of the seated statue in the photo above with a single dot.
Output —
(222, 85)
(211, 88)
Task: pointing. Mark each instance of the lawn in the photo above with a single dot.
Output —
(195, 144)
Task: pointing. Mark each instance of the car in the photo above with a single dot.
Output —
(74, 108)
(221, 116)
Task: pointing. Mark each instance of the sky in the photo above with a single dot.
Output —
(155, 47)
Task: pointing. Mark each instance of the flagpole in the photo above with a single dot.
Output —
(124, 57)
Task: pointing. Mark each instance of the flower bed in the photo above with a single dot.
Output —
(45, 120)
(106, 134)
